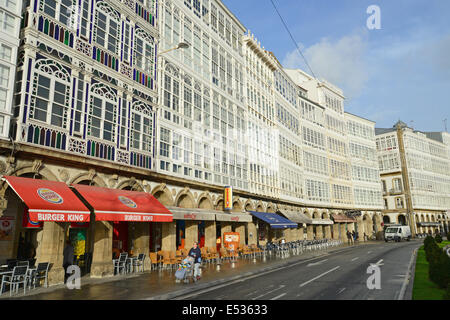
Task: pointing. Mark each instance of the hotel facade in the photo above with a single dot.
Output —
(104, 100)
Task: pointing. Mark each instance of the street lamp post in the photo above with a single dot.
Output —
(159, 71)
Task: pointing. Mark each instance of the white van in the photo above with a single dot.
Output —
(397, 233)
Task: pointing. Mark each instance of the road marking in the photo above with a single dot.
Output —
(316, 263)
(342, 290)
(319, 276)
(262, 295)
(355, 258)
(277, 297)
(379, 263)
(369, 252)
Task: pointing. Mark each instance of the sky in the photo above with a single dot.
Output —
(400, 71)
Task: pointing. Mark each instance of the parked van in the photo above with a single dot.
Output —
(397, 233)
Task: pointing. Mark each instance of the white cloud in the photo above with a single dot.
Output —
(342, 62)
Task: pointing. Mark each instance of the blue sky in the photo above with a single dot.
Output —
(401, 71)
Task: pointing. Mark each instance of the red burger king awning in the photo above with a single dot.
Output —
(123, 205)
(48, 200)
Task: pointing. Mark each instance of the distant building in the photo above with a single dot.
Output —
(415, 176)
(10, 20)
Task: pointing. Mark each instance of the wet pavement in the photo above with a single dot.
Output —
(161, 284)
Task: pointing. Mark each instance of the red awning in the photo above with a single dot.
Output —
(123, 205)
(49, 200)
(338, 218)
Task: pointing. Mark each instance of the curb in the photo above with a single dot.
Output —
(409, 275)
(213, 283)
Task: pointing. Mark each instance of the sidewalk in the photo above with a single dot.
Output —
(160, 284)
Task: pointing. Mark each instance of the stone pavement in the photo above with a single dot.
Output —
(160, 284)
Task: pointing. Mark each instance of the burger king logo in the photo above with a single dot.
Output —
(128, 202)
(50, 196)
(33, 223)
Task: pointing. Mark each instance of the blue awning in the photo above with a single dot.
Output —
(274, 220)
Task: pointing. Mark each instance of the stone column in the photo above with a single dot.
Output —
(191, 233)
(225, 227)
(51, 243)
(360, 227)
(252, 234)
(141, 242)
(310, 232)
(319, 232)
(343, 233)
(210, 234)
(102, 254)
(328, 232)
(240, 227)
(336, 231)
(300, 233)
(169, 236)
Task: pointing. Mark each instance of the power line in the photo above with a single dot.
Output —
(293, 40)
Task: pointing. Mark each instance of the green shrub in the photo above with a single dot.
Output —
(447, 292)
(438, 238)
(432, 250)
(439, 269)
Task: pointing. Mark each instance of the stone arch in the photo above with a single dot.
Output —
(205, 201)
(316, 215)
(131, 184)
(237, 204)
(271, 207)
(218, 203)
(433, 218)
(325, 215)
(35, 168)
(306, 212)
(185, 199)
(249, 206)
(260, 206)
(163, 194)
(90, 177)
(401, 219)
(386, 219)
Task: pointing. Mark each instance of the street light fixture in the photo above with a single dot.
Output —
(181, 45)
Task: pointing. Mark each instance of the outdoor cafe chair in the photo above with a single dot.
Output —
(139, 262)
(23, 263)
(120, 264)
(41, 272)
(155, 259)
(18, 276)
(11, 264)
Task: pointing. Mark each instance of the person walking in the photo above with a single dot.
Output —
(197, 255)
(349, 237)
(353, 236)
(68, 258)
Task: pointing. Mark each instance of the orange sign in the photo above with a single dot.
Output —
(228, 202)
(231, 240)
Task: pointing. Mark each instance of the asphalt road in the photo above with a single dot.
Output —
(339, 275)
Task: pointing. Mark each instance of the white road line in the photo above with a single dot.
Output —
(277, 297)
(369, 252)
(262, 295)
(319, 276)
(342, 290)
(355, 258)
(316, 263)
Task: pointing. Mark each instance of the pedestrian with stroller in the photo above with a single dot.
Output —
(197, 255)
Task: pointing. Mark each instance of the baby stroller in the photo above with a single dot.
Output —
(185, 270)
